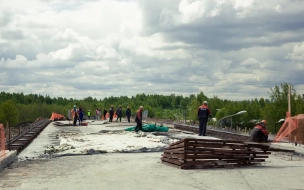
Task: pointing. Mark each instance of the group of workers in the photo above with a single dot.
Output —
(138, 116)
(77, 114)
(258, 134)
(118, 113)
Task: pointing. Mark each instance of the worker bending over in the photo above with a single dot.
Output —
(259, 132)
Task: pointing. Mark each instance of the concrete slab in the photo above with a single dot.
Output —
(145, 171)
(136, 170)
(299, 149)
(98, 137)
(7, 158)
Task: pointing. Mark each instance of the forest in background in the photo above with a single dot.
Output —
(18, 107)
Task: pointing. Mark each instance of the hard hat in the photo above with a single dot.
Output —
(264, 121)
(89, 110)
(74, 106)
(205, 102)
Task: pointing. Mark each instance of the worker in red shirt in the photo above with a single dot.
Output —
(138, 119)
(203, 113)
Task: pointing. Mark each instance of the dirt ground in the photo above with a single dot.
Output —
(145, 171)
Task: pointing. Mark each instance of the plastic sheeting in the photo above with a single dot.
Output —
(56, 116)
(151, 128)
(292, 129)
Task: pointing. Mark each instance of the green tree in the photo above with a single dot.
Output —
(278, 106)
(8, 112)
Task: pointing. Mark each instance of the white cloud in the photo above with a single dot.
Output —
(251, 64)
(297, 52)
(278, 8)
(233, 49)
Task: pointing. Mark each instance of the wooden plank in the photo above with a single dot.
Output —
(257, 145)
(212, 156)
(219, 151)
(200, 148)
(172, 161)
(246, 161)
(177, 156)
(212, 140)
(180, 145)
(206, 153)
(209, 145)
(178, 142)
(189, 152)
(204, 163)
(170, 164)
(176, 149)
(204, 167)
(214, 151)
(220, 162)
(189, 143)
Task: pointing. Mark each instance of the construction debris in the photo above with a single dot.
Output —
(204, 153)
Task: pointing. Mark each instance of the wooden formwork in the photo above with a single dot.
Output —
(204, 153)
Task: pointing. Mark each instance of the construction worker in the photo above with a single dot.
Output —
(111, 114)
(97, 114)
(203, 113)
(119, 113)
(138, 119)
(89, 114)
(259, 132)
(74, 114)
(80, 115)
(128, 113)
(104, 114)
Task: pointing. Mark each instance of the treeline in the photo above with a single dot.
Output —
(18, 107)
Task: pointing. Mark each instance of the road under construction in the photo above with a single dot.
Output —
(104, 155)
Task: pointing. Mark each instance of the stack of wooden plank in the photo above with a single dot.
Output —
(204, 153)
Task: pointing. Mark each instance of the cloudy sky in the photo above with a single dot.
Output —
(233, 49)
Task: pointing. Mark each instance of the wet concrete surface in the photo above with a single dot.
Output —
(97, 137)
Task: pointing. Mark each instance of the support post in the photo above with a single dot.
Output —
(231, 122)
(289, 99)
(9, 135)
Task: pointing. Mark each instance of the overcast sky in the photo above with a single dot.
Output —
(233, 49)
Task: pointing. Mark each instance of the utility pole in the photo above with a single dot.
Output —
(289, 112)
(289, 99)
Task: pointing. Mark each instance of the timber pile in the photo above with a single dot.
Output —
(204, 153)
